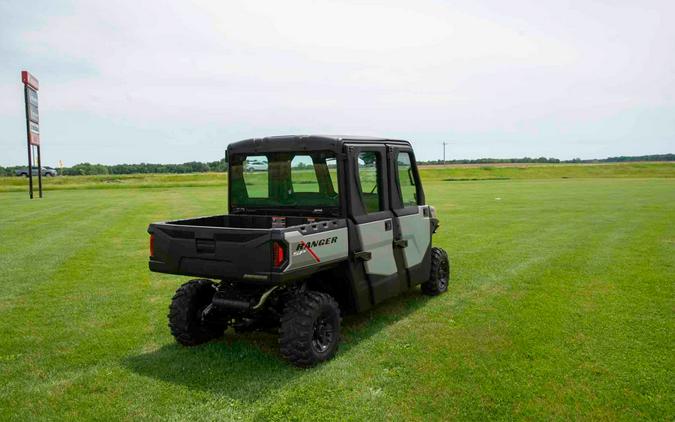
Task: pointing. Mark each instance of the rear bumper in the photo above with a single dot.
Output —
(209, 268)
(217, 270)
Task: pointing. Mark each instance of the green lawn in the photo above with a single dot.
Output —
(561, 306)
(448, 173)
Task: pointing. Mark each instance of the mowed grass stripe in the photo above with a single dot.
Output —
(90, 318)
(32, 252)
(585, 305)
(561, 254)
(83, 299)
(73, 281)
(408, 347)
(622, 229)
(532, 343)
(504, 399)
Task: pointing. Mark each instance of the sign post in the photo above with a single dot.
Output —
(30, 88)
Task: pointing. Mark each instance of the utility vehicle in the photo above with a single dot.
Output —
(332, 225)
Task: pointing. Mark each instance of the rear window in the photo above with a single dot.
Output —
(303, 174)
(256, 176)
(284, 180)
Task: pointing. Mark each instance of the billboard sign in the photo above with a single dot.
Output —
(31, 85)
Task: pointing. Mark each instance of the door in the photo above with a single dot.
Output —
(373, 220)
(412, 225)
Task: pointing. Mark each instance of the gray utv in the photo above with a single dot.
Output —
(318, 227)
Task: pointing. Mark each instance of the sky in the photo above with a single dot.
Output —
(176, 81)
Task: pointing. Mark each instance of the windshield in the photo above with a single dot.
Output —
(303, 180)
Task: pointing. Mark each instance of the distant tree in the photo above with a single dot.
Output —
(85, 169)
(493, 161)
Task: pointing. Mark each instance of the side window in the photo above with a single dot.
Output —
(369, 174)
(406, 179)
(303, 175)
(256, 177)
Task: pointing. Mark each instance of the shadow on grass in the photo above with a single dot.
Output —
(248, 366)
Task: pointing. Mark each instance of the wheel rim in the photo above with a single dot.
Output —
(323, 333)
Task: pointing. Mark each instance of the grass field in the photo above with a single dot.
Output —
(561, 307)
(430, 173)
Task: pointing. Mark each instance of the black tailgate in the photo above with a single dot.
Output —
(212, 252)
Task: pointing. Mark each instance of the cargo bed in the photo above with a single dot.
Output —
(235, 247)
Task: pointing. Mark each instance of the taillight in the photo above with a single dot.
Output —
(152, 245)
(277, 254)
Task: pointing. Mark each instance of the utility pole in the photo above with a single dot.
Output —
(444, 144)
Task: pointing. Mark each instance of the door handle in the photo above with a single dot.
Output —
(363, 256)
(401, 243)
(387, 225)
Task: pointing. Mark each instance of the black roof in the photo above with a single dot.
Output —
(306, 142)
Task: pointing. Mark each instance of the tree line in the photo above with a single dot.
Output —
(525, 160)
(86, 169)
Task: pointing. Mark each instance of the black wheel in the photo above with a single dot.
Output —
(185, 313)
(440, 273)
(310, 329)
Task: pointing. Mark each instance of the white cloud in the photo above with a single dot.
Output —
(526, 79)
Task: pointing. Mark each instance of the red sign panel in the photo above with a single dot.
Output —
(30, 80)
